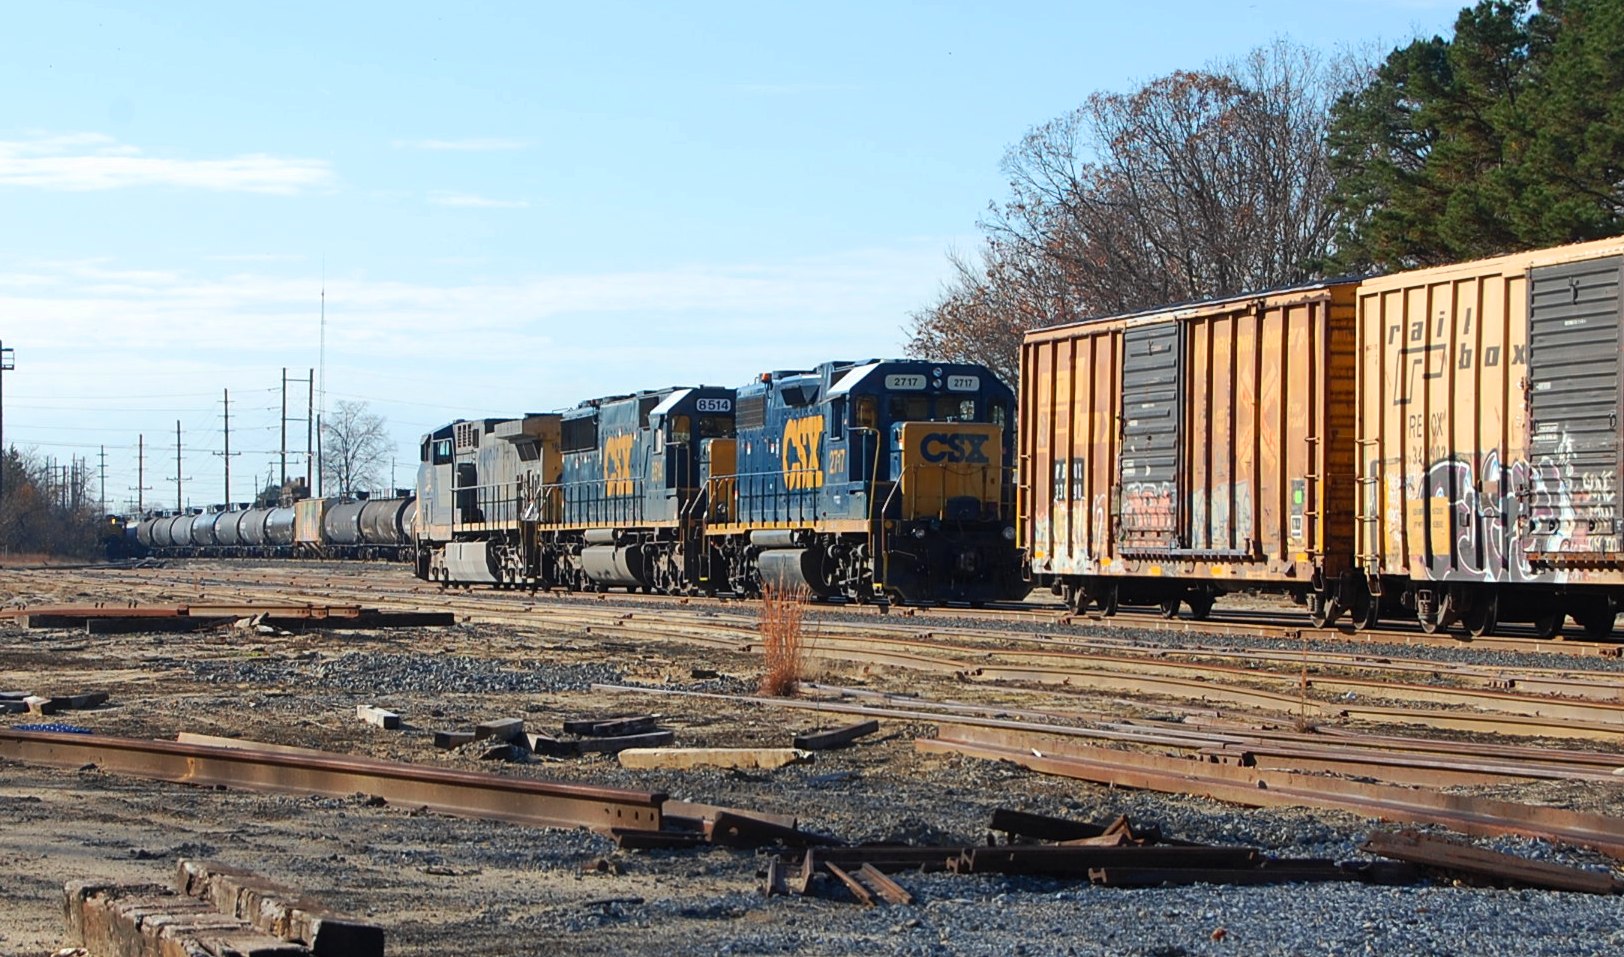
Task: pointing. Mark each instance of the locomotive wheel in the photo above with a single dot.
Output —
(1169, 607)
(1200, 605)
(1548, 624)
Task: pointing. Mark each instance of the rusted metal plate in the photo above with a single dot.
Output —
(460, 793)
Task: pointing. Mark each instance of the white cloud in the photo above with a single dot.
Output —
(475, 144)
(475, 201)
(92, 161)
(422, 353)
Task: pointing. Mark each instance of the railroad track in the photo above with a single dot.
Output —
(1310, 684)
(391, 583)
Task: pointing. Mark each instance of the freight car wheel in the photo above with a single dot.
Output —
(1200, 605)
(1482, 618)
(1596, 619)
(1367, 611)
(1169, 607)
(1548, 624)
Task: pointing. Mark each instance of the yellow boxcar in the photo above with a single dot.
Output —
(1170, 456)
(1488, 441)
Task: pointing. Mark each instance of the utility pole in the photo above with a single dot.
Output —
(228, 453)
(8, 362)
(179, 502)
(309, 420)
(140, 475)
(103, 470)
(312, 428)
(284, 427)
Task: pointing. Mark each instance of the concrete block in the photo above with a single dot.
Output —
(502, 729)
(387, 720)
(682, 758)
(452, 739)
(279, 911)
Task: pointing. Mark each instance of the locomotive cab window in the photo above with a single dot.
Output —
(715, 427)
(836, 419)
(997, 414)
(682, 430)
(909, 408)
(442, 452)
(867, 414)
(965, 411)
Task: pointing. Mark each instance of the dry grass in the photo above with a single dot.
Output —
(783, 640)
(8, 559)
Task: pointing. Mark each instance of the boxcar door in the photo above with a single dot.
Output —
(1148, 512)
(1571, 500)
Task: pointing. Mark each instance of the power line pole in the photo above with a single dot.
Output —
(8, 362)
(284, 426)
(103, 470)
(312, 427)
(179, 502)
(140, 475)
(228, 453)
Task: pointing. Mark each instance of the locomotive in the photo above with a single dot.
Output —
(877, 480)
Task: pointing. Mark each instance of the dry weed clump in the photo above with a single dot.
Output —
(783, 612)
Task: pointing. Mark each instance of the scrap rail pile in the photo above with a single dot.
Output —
(114, 619)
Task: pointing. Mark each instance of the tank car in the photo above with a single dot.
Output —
(883, 479)
(1174, 455)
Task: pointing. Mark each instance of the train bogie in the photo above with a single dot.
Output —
(1168, 457)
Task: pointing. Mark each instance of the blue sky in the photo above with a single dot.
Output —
(515, 206)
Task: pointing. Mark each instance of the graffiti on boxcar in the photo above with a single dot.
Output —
(1148, 511)
(1222, 527)
(1497, 514)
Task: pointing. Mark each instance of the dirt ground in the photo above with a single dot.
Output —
(442, 885)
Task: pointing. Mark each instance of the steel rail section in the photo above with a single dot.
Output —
(1263, 788)
(458, 793)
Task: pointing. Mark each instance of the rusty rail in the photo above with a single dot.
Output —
(459, 793)
(1263, 788)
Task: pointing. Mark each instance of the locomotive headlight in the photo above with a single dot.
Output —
(919, 532)
(1009, 533)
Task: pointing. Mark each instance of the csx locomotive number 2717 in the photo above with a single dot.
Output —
(881, 479)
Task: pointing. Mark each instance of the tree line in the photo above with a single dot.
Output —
(1289, 165)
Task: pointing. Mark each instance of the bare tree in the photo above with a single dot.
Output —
(1199, 184)
(354, 448)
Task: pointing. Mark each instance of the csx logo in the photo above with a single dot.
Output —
(801, 465)
(617, 465)
(954, 447)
